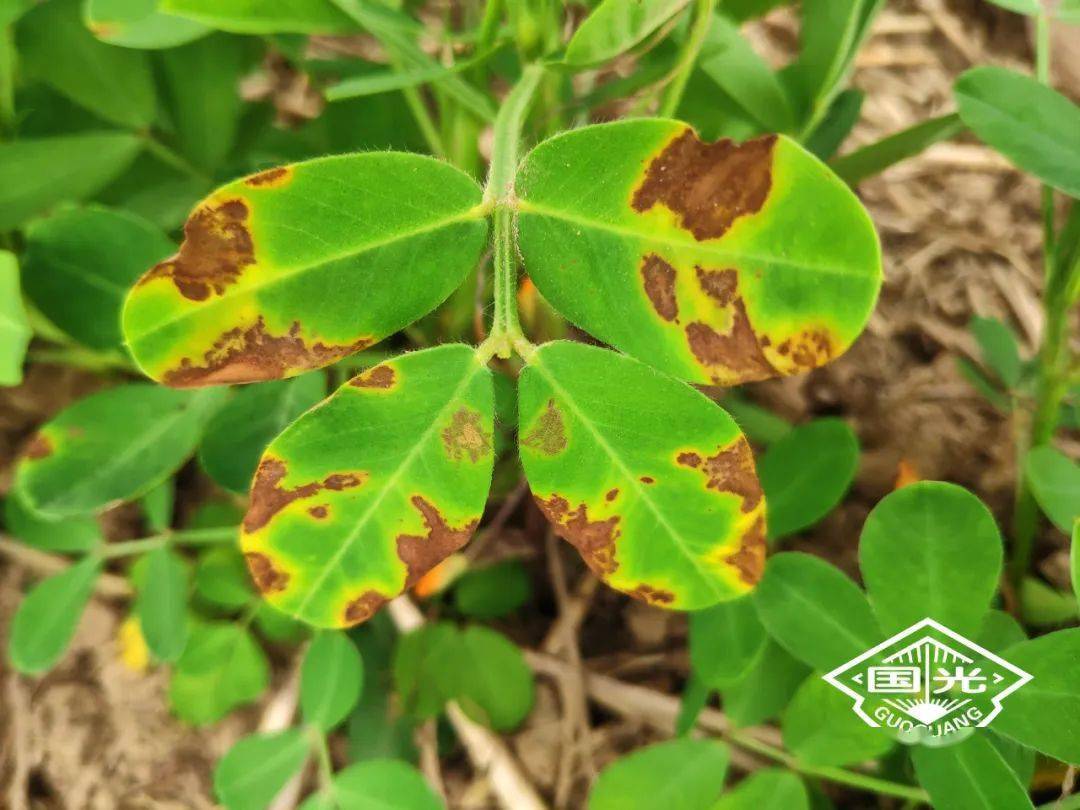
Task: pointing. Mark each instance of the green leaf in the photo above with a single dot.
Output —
(222, 668)
(239, 433)
(138, 24)
(830, 36)
(387, 784)
(1074, 559)
(770, 789)
(1019, 758)
(1055, 481)
(162, 605)
(698, 258)
(158, 505)
(426, 669)
(15, 331)
(80, 263)
(79, 534)
(1044, 713)
(968, 776)
(266, 282)
(264, 16)
(649, 480)
(760, 424)
(616, 26)
(378, 727)
(767, 687)
(694, 698)
(856, 166)
(806, 473)
(331, 679)
(256, 768)
(364, 494)
(221, 578)
(680, 774)
(277, 627)
(1029, 123)
(821, 729)
(37, 174)
(114, 83)
(46, 620)
(495, 685)
(1064, 10)
(999, 347)
(1043, 606)
(931, 549)
(834, 129)
(492, 591)
(726, 642)
(203, 79)
(983, 384)
(814, 611)
(112, 446)
(999, 631)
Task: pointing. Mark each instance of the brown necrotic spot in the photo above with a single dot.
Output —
(40, 446)
(808, 349)
(594, 539)
(659, 279)
(268, 497)
(647, 479)
(421, 553)
(319, 512)
(737, 352)
(252, 354)
(749, 558)
(217, 247)
(731, 469)
(271, 178)
(653, 596)
(612, 494)
(363, 607)
(266, 577)
(549, 434)
(708, 185)
(377, 377)
(465, 436)
(719, 285)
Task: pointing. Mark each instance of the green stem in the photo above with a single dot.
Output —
(189, 537)
(843, 777)
(322, 753)
(699, 29)
(506, 144)
(79, 357)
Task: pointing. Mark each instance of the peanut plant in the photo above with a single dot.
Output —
(364, 346)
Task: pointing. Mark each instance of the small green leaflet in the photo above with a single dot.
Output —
(971, 775)
(46, 620)
(681, 774)
(769, 789)
(767, 687)
(616, 26)
(221, 579)
(268, 279)
(364, 494)
(649, 480)
(726, 641)
(875, 158)
(1029, 123)
(698, 258)
(387, 784)
(15, 329)
(999, 347)
(492, 591)
(821, 729)
(222, 667)
(112, 446)
(1055, 480)
(80, 263)
(331, 679)
(78, 534)
(36, 174)
(162, 605)
(256, 768)
(138, 24)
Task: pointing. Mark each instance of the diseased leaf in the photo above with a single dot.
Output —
(1045, 712)
(1055, 481)
(114, 83)
(37, 174)
(264, 16)
(682, 774)
(331, 679)
(138, 24)
(80, 534)
(79, 265)
(726, 641)
(649, 480)
(931, 550)
(46, 620)
(256, 768)
(971, 775)
(238, 434)
(268, 281)
(364, 494)
(821, 729)
(770, 789)
(1029, 123)
(806, 473)
(616, 26)
(162, 605)
(767, 687)
(814, 611)
(222, 667)
(717, 263)
(15, 331)
(112, 446)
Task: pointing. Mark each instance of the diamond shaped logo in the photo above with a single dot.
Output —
(927, 678)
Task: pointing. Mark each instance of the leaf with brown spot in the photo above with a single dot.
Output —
(655, 486)
(290, 269)
(720, 263)
(362, 495)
